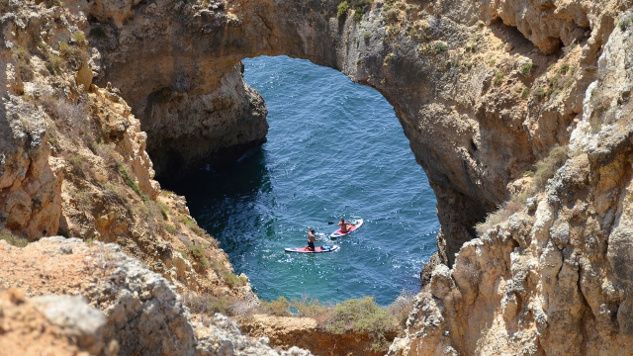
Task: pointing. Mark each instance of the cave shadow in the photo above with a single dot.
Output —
(215, 187)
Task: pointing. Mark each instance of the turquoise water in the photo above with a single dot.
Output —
(334, 148)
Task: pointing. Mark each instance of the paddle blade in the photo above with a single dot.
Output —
(330, 222)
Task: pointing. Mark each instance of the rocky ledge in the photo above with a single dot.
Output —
(137, 310)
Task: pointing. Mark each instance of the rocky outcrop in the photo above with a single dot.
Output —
(483, 90)
(143, 312)
(73, 158)
(463, 102)
(553, 278)
(55, 325)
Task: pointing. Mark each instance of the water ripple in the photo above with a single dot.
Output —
(334, 148)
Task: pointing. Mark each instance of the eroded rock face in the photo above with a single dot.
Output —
(454, 71)
(554, 278)
(143, 312)
(73, 158)
(479, 99)
(32, 199)
(56, 325)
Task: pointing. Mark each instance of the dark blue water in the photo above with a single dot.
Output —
(334, 148)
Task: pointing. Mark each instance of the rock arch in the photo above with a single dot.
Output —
(177, 64)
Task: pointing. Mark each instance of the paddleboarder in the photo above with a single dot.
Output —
(311, 239)
(343, 225)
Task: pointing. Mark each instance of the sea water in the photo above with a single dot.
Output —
(335, 148)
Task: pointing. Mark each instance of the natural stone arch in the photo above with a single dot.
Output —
(177, 65)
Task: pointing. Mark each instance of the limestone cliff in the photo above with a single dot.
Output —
(554, 278)
(73, 158)
(470, 82)
(522, 105)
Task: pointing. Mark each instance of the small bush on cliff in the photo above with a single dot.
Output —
(79, 37)
(12, 239)
(279, 307)
(564, 68)
(233, 280)
(51, 3)
(207, 303)
(130, 181)
(311, 308)
(526, 69)
(359, 315)
(440, 47)
(401, 307)
(342, 9)
(499, 78)
(525, 92)
(500, 215)
(547, 167)
(190, 223)
(198, 253)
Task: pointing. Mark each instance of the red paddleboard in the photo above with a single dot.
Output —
(320, 249)
(351, 227)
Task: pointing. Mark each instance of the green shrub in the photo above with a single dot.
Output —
(22, 54)
(72, 53)
(526, 69)
(499, 78)
(190, 223)
(130, 181)
(164, 209)
(564, 68)
(359, 10)
(624, 24)
(51, 3)
(198, 253)
(307, 307)
(547, 167)
(170, 228)
(233, 280)
(440, 47)
(13, 240)
(525, 92)
(53, 63)
(361, 316)
(342, 9)
(79, 37)
(540, 92)
(206, 303)
(279, 307)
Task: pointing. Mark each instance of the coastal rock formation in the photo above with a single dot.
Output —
(553, 278)
(51, 325)
(143, 312)
(472, 102)
(73, 158)
(518, 105)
